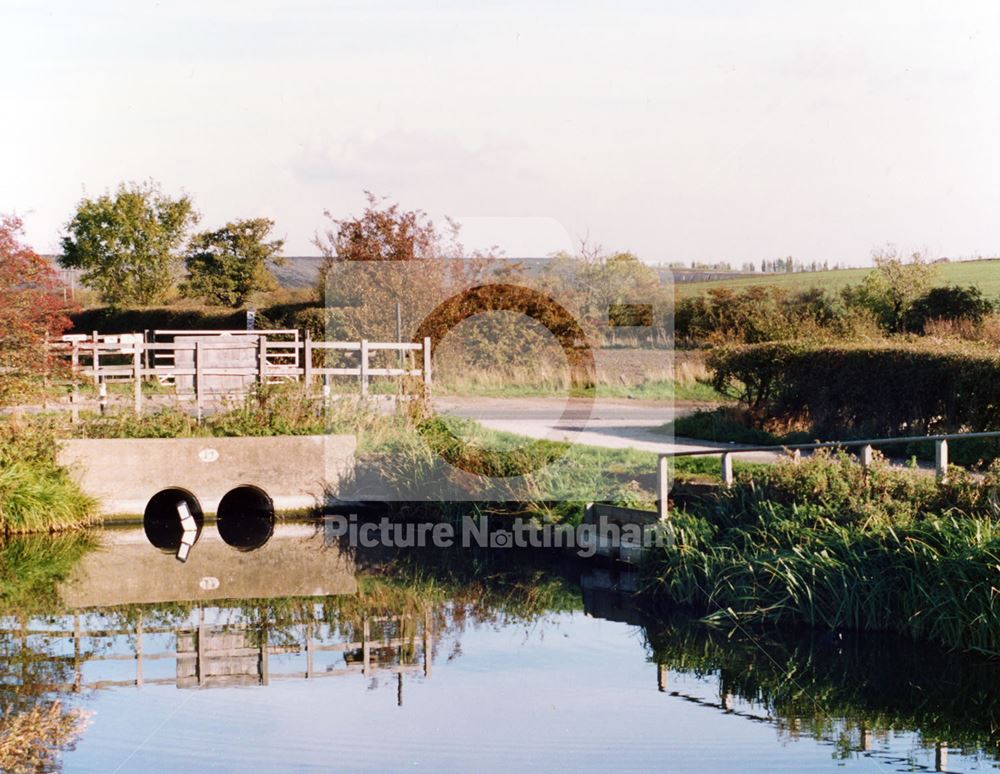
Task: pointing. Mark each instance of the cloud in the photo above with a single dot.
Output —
(412, 159)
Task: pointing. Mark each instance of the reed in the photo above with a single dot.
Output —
(827, 545)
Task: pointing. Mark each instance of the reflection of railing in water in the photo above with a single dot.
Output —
(606, 594)
(865, 735)
(216, 655)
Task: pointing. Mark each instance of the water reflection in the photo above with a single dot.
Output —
(210, 647)
(127, 616)
(850, 691)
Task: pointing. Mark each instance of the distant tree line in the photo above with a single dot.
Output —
(787, 265)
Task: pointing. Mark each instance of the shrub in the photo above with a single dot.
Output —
(878, 389)
(948, 303)
(890, 289)
(108, 320)
(763, 313)
(732, 424)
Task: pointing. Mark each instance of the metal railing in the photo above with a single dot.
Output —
(867, 448)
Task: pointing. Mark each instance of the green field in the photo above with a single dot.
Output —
(984, 274)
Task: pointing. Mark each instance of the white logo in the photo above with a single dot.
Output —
(208, 455)
(208, 584)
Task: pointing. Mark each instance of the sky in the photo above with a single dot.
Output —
(682, 131)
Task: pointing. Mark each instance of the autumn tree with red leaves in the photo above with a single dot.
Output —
(32, 311)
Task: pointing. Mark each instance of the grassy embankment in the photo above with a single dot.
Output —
(822, 544)
(399, 448)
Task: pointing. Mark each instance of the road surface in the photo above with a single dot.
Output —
(608, 423)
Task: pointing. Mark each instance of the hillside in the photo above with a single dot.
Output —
(984, 274)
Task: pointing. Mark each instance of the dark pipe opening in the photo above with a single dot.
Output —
(161, 520)
(246, 518)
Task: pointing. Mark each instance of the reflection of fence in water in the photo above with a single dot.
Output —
(215, 655)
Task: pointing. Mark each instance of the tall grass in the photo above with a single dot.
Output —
(827, 545)
(36, 495)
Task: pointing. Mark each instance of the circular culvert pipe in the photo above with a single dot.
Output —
(164, 519)
(246, 518)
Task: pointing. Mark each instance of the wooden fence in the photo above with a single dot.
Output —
(196, 358)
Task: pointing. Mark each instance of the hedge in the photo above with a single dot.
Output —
(839, 391)
(289, 315)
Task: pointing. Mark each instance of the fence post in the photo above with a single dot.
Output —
(137, 377)
(941, 756)
(796, 455)
(197, 380)
(97, 361)
(74, 401)
(427, 365)
(941, 460)
(74, 358)
(867, 455)
(662, 486)
(307, 364)
(138, 651)
(102, 397)
(727, 469)
(364, 366)
(262, 360)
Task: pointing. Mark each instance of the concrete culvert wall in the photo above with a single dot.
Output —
(246, 518)
(161, 519)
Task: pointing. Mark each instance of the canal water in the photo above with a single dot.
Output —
(298, 655)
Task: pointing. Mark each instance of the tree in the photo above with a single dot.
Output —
(229, 265)
(32, 311)
(382, 258)
(383, 232)
(891, 287)
(128, 244)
